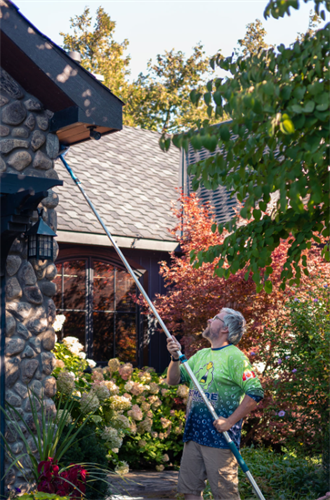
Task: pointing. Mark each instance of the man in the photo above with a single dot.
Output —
(226, 376)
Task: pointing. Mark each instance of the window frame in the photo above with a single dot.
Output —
(89, 259)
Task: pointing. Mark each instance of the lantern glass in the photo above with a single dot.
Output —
(45, 246)
(33, 245)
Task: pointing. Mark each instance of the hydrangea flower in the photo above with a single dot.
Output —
(161, 435)
(154, 388)
(128, 396)
(113, 365)
(97, 375)
(160, 468)
(144, 426)
(144, 376)
(154, 435)
(101, 390)
(59, 363)
(120, 421)
(122, 468)
(133, 428)
(137, 389)
(129, 386)
(165, 458)
(165, 392)
(91, 363)
(135, 413)
(120, 403)
(58, 323)
(65, 382)
(165, 422)
(156, 404)
(145, 406)
(89, 402)
(112, 387)
(182, 391)
(64, 415)
(125, 371)
(111, 437)
(142, 443)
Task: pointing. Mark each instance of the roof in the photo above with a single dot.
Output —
(131, 182)
(46, 71)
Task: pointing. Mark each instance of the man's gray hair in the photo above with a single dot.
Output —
(235, 323)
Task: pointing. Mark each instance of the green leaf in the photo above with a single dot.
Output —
(287, 127)
(224, 133)
(309, 107)
(268, 286)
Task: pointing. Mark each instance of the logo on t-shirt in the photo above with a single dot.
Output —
(206, 374)
(248, 374)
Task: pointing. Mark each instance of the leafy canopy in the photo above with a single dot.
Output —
(276, 147)
(157, 100)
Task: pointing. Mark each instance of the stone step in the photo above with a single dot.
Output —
(140, 485)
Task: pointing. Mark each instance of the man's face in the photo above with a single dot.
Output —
(215, 326)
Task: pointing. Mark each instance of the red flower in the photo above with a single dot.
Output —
(64, 484)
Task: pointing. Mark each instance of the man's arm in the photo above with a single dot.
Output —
(173, 371)
(224, 424)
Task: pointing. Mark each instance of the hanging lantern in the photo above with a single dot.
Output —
(40, 240)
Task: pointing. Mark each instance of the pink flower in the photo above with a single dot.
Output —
(125, 371)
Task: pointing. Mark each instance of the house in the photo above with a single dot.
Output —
(131, 182)
(46, 99)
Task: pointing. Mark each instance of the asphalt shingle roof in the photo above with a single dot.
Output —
(129, 179)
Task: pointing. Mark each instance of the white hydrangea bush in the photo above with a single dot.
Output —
(139, 418)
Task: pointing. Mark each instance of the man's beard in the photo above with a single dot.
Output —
(209, 335)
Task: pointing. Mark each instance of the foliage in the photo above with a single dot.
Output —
(41, 433)
(275, 147)
(41, 496)
(194, 295)
(137, 417)
(69, 482)
(280, 476)
(165, 105)
(296, 374)
(254, 39)
(90, 449)
(99, 51)
(158, 100)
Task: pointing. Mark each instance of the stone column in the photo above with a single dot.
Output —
(27, 147)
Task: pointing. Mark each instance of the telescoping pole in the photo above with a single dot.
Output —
(182, 357)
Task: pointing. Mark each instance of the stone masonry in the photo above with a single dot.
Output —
(27, 147)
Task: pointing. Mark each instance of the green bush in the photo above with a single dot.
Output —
(89, 449)
(280, 476)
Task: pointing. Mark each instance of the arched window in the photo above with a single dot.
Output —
(96, 298)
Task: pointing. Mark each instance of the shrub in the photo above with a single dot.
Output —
(138, 418)
(90, 449)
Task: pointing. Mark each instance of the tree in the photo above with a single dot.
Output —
(158, 100)
(276, 146)
(165, 104)
(254, 39)
(297, 335)
(100, 53)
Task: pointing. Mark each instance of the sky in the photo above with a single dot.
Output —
(153, 26)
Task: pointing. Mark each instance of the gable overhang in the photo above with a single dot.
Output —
(77, 99)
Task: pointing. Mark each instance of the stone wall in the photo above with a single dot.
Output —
(27, 147)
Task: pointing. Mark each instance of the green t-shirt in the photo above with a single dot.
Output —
(225, 375)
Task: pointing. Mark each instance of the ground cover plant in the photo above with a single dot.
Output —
(280, 476)
(136, 416)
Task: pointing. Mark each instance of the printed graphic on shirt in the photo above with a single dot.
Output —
(226, 375)
(248, 374)
(207, 375)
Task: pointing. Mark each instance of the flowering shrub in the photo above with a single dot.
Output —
(139, 419)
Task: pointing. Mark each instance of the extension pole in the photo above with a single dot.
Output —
(182, 357)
